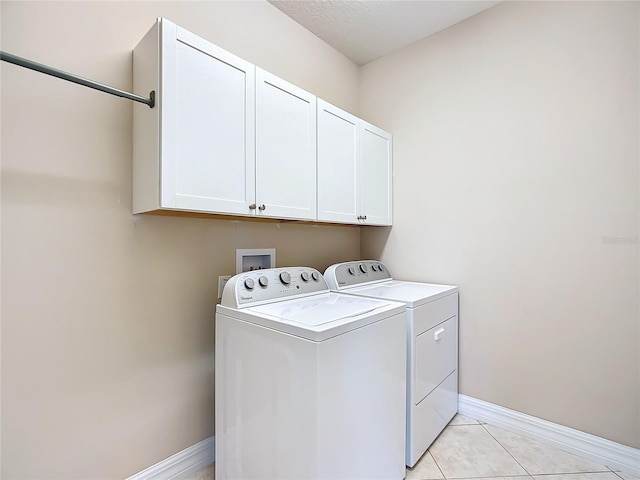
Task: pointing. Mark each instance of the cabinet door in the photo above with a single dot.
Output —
(337, 164)
(375, 175)
(285, 149)
(207, 126)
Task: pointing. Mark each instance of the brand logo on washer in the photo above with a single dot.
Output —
(242, 297)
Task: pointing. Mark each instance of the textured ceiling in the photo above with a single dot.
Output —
(364, 30)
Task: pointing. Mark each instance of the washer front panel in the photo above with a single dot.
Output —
(309, 410)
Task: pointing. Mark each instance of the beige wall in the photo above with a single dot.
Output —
(516, 177)
(516, 164)
(107, 318)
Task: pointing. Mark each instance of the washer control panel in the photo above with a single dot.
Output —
(351, 274)
(271, 284)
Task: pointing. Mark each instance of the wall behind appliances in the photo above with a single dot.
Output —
(107, 318)
(516, 176)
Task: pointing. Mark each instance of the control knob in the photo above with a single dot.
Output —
(249, 283)
(263, 281)
(351, 270)
(315, 276)
(285, 278)
(363, 268)
(304, 276)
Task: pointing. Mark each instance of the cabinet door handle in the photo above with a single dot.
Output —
(437, 333)
(252, 206)
(262, 207)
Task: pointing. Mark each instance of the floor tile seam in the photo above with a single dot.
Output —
(608, 469)
(571, 473)
(618, 472)
(436, 463)
(575, 473)
(490, 476)
(506, 450)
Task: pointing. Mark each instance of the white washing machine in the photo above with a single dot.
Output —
(432, 345)
(309, 384)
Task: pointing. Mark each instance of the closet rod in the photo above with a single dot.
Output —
(38, 67)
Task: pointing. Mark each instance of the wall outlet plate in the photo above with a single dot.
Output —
(222, 281)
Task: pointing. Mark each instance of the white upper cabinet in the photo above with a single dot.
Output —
(226, 137)
(337, 164)
(375, 175)
(285, 149)
(354, 169)
(194, 151)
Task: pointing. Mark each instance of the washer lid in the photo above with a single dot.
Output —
(413, 294)
(323, 316)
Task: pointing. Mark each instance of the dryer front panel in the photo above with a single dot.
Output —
(436, 352)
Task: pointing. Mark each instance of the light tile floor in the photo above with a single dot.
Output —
(471, 449)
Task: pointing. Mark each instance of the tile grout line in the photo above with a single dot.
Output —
(609, 469)
(434, 458)
(435, 461)
(527, 474)
(574, 473)
(494, 476)
(505, 449)
(481, 424)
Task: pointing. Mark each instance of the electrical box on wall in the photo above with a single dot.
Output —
(248, 259)
(222, 281)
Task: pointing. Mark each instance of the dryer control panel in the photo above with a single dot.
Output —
(351, 274)
(272, 284)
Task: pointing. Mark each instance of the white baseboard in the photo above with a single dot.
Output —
(180, 465)
(612, 454)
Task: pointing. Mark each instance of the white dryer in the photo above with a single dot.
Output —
(432, 345)
(309, 384)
